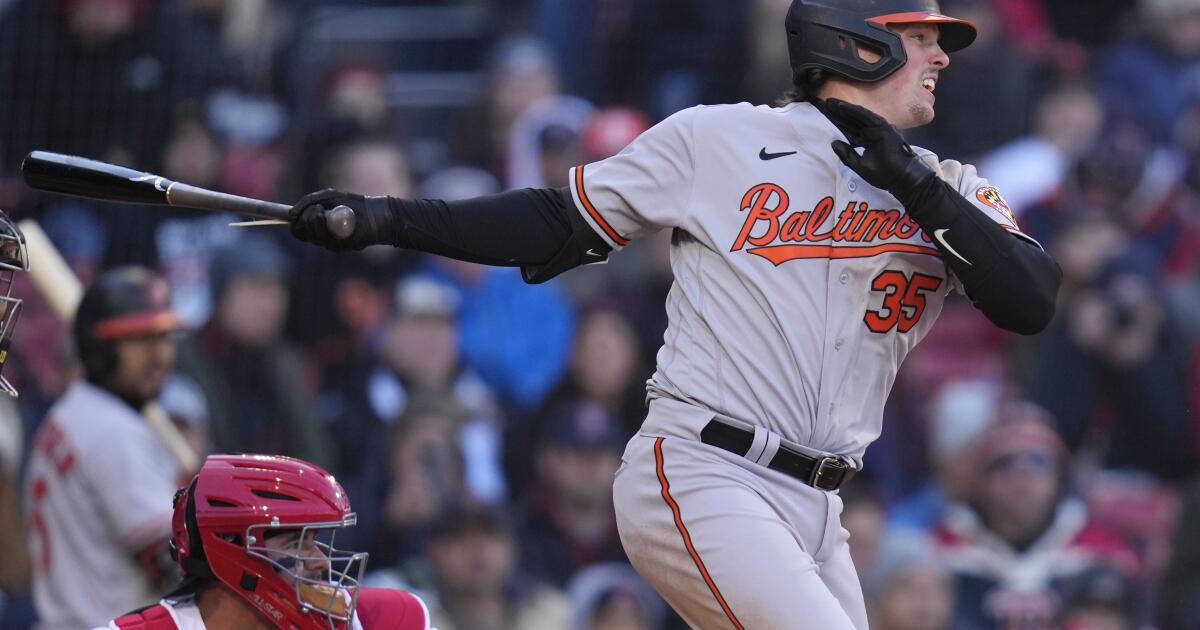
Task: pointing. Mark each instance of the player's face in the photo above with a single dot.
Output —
(906, 97)
(143, 364)
(314, 563)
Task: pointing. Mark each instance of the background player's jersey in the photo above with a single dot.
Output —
(98, 489)
(799, 288)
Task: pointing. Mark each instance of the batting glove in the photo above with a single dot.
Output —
(308, 222)
(887, 161)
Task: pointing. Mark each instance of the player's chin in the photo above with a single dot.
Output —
(152, 384)
(920, 114)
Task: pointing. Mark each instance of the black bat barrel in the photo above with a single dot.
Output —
(72, 175)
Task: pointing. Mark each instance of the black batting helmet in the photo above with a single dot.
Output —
(826, 34)
(122, 303)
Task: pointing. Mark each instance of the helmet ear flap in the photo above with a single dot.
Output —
(829, 39)
(827, 34)
(195, 564)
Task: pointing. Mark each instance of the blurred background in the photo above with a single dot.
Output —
(1046, 482)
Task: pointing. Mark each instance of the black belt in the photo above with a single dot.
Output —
(826, 473)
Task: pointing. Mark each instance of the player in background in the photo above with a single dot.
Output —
(812, 249)
(98, 482)
(254, 537)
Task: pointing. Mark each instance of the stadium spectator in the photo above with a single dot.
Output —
(597, 40)
(605, 371)
(692, 52)
(545, 143)
(521, 72)
(909, 586)
(342, 330)
(1146, 77)
(1111, 360)
(538, 321)
(422, 476)
(473, 566)
(959, 415)
(1101, 600)
(567, 521)
(1036, 168)
(1181, 584)
(612, 596)
(609, 130)
(863, 519)
(251, 375)
(184, 242)
(416, 356)
(1022, 538)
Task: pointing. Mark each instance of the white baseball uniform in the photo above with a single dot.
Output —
(98, 489)
(799, 289)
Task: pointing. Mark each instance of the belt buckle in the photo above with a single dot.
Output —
(825, 465)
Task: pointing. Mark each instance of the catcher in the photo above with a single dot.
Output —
(254, 538)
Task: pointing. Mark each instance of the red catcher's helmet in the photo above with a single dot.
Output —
(228, 525)
(826, 34)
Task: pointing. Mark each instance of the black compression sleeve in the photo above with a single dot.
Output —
(539, 229)
(1010, 279)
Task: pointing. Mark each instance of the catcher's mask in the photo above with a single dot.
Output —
(264, 526)
(13, 258)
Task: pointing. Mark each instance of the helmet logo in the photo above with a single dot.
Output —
(267, 607)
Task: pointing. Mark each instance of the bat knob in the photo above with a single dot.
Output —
(341, 221)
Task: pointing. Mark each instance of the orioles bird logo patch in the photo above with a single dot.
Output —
(990, 196)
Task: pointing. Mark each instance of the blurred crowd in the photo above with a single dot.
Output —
(476, 422)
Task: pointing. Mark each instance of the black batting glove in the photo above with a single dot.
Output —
(887, 161)
(308, 224)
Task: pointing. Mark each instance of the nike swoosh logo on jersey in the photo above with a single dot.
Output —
(593, 253)
(940, 236)
(764, 156)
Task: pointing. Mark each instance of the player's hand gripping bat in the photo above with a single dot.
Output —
(71, 175)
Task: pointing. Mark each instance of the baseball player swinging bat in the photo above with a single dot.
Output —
(82, 177)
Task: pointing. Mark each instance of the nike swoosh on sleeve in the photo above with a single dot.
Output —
(764, 156)
(940, 236)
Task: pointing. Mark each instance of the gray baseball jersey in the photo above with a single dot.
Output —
(98, 489)
(799, 289)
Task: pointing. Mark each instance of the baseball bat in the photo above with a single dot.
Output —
(62, 290)
(81, 177)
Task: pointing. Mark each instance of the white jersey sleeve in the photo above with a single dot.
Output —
(644, 188)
